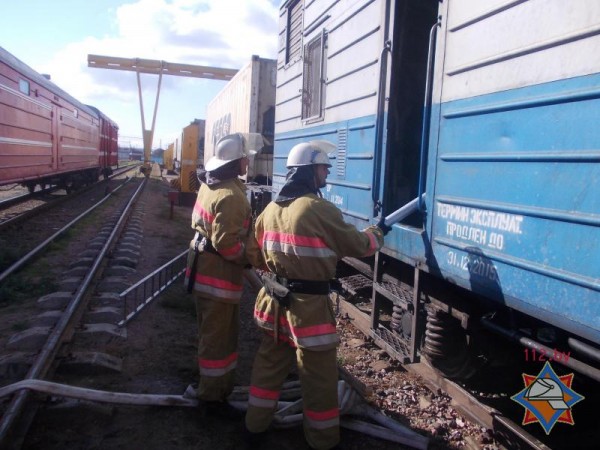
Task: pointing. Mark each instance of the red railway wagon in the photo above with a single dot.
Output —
(108, 146)
(46, 135)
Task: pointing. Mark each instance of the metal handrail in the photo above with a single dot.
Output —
(426, 116)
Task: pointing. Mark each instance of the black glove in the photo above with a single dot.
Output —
(384, 228)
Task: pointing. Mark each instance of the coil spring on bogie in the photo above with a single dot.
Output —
(446, 345)
(436, 334)
(396, 322)
(401, 322)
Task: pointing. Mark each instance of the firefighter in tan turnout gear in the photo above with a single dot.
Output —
(222, 220)
(302, 236)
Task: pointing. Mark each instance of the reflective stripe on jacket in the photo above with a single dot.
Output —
(222, 214)
(304, 239)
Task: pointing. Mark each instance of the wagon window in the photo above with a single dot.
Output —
(24, 86)
(293, 36)
(313, 78)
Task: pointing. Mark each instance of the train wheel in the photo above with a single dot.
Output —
(31, 187)
(447, 347)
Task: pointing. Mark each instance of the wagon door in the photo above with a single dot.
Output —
(55, 138)
(343, 77)
(411, 31)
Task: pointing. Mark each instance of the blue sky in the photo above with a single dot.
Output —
(55, 36)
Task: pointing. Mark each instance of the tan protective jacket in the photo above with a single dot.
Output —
(222, 214)
(304, 239)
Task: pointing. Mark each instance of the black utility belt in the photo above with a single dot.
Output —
(208, 247)
(307, 286)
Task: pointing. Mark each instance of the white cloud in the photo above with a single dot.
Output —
(221, 33)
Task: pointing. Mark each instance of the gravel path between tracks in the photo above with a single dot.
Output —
(159, 357)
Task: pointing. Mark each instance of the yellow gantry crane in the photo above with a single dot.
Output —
(160, 68)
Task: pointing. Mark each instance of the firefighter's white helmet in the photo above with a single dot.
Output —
(307, 153)
(229, 148)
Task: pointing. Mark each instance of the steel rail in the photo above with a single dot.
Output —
(48, 353)
(21, 262)
(7, 203)
(55, 202)
(20, 217)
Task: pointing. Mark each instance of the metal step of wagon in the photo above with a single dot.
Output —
(357, 284)
(382, 337)
(392, 344)
(399, 294)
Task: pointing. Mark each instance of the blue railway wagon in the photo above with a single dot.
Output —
(484, 112)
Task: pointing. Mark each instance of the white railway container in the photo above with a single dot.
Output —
(246, 105)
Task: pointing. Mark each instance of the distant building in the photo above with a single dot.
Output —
(136, 154)
(123, 153)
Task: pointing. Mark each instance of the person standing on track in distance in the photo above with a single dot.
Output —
(222, 220)
(302, 236)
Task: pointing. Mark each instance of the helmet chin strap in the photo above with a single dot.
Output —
(316, 183)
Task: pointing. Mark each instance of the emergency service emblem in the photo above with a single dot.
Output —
(548, 398)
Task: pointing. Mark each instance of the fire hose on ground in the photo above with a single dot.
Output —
(289, 413)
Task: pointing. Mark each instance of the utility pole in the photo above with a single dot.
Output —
(156, 67)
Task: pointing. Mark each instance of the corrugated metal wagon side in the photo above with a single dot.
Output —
(45, 134)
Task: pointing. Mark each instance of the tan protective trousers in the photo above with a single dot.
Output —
(318, 377)
(218, 325)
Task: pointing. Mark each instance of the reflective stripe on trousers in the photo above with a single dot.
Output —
(217, 347)
(217, 367)
(318, 377)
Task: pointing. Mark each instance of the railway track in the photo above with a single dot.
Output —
(48, 218)
(95, 337)
(22, 206)
(9, 199)
(63, 319)
(15, 209)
